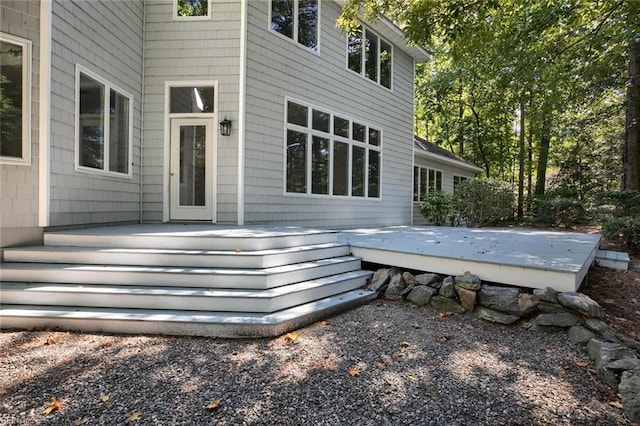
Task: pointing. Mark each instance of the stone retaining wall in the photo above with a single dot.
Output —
(615, 355)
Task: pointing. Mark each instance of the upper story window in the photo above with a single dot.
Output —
(370, 56)
(297, 20)
(15, 102)
(191, 9)
(329, 154)
(104, 125)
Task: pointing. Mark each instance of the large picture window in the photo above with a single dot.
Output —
(104, 126)
(15, 90)
(425, 180)
(329, 154)
(370, 56)
(297, 20)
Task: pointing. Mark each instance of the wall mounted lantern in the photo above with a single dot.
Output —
(225, 127)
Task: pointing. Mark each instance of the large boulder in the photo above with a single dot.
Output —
(581, 303)
(396, 288)
(563, 319)
(546, 294)
(507, 299)
(382, 277)
(579, 335)
(446, 304)
(420, 295)
(629, 390)
(409, 279)
(604, 353)
(551, 308)
(447, 289)
(495, 316)
(467, 298)
(428, 279)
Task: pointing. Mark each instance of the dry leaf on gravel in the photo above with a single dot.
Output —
(292, 337)
(214, 405)
(104, 398)
(616, 404)
(55, 405)
(354, 372)
(582, 363)
(133, 416)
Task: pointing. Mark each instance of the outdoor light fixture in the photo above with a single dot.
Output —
(225, 127)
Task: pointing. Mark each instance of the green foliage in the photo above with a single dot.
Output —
(625, 229)
(481, 202)
(436, 207)
(193, 7)
(560, 211)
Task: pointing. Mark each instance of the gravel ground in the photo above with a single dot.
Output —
(386, 363)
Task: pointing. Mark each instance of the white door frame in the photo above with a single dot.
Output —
(167, 140)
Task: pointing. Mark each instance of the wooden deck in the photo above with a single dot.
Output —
(523, 257)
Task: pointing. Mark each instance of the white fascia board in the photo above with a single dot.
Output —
(457, 163)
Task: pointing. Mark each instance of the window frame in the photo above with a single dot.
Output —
(26, 45)
(418, 178)
(106, 123)
(333, 139)
(294, 38)
(206, 17)
(363, 57)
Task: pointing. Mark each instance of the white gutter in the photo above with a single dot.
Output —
(447, 160)
(44, 114)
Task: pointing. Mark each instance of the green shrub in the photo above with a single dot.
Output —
(481, 202)
(436, 207)
(560, 211)
(612, 204)
(624, 228)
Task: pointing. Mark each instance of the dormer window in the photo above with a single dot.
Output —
(370, 56)
(297, 20)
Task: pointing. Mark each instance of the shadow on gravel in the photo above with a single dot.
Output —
(381, 364)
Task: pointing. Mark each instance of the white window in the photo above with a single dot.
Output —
(425, 180)
(329, 154)
(297, 20)
(191, 9)
(370, 56)
(15, 100)
(104, 125)
(457, 180)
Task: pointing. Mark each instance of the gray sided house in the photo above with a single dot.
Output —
(435, 168)
(111, 112)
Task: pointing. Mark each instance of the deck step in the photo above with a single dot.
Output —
(182, 298)
(612, 259)
(140, 321)
(177, 276)
(190, 237)
(255, 259)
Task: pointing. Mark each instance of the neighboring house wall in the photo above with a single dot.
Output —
(190, 50)
(105, 38)
(278, 68)
(19, 182)
(449, 171)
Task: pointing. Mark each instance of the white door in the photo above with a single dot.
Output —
(192, 171)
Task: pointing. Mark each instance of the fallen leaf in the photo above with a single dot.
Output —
(292, 337)
(325, 323)
(214, 405)
(104, 398)
(582, 363)
(354, 372)
(444, 314)
(134, 416)
(50, 341)
(591, 370)
(447, 337)
(616, 404)
(238, 250)
(55, 405)
(381, 365)
(411, 376)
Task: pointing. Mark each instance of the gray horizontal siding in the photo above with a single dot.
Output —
(105, 37)
(278, 67)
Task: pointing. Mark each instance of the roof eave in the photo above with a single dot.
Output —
(458, 163)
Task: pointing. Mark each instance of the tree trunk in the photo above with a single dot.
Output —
(521, 164)
(460, 124)
(529, 167)
(543, 156)
(631, 154)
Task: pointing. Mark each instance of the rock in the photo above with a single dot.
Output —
(468, 281)
(446, 304)
(467, 298)
(381, 278)
(428, 279)
(579, 335)
(564, 319)
(495, 316)
(629, 390)
(420, 295)
(507, 299)
(447, 289)
(546, 294)
(395, 288)
(603, 353)
(409, 279)
(582, 303)
(624, 364)
(407, 290)
(550, 308)
(608, 333)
